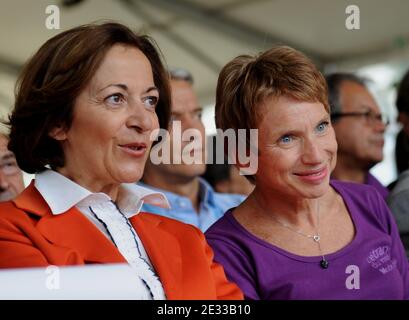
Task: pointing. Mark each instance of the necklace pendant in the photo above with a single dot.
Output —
(316, 237)
(324, 264)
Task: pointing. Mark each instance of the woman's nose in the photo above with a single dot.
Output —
(140, 119)
(311, 152)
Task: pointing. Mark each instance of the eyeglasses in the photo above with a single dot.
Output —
(371, 117)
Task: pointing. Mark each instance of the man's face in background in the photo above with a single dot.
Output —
(11, 177)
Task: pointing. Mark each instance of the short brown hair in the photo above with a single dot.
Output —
(53, 78)
(247, 81)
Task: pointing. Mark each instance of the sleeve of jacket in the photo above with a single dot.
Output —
(16, 247)
(225, 289)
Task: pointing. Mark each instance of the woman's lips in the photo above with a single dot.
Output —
(313, 176)
(134, 149)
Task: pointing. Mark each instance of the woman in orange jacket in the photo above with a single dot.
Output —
(87, 106)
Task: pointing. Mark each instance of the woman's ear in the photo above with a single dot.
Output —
(58, 133)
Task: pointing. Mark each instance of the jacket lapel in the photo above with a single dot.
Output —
(69, 230)
(163, 250)
(73, 230)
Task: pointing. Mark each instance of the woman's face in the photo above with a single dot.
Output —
(297, 148)
(108, 142)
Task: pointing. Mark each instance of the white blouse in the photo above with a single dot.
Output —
(111, 219)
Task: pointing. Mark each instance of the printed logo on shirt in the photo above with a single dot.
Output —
(381, 259)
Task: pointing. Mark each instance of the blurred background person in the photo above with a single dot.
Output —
(359, 127)
(192, 199)
(402, 140)
(299, 232)
(398, 199)
(401, 153)
(87, 103)
(225, 177)
(11, 177)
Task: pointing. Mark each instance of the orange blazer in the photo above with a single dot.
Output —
(31, 236)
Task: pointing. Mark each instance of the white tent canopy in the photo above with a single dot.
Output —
(203, 35)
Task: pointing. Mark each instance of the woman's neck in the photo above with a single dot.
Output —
(90, 183)
(294, 211)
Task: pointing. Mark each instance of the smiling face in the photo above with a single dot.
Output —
(297, 148)
(108, 142)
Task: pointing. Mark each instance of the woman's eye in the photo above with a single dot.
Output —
(286, 139)
(322, 126)
(115, 99)
(150, 101)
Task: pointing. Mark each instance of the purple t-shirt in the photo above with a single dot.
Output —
(372, 181)
(372, 266)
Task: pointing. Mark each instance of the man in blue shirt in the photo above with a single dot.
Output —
(191, 198)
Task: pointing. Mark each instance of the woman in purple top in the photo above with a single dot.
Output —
(298, 235)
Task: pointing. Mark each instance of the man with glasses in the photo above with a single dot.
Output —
(359, 127)
(11, 177)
